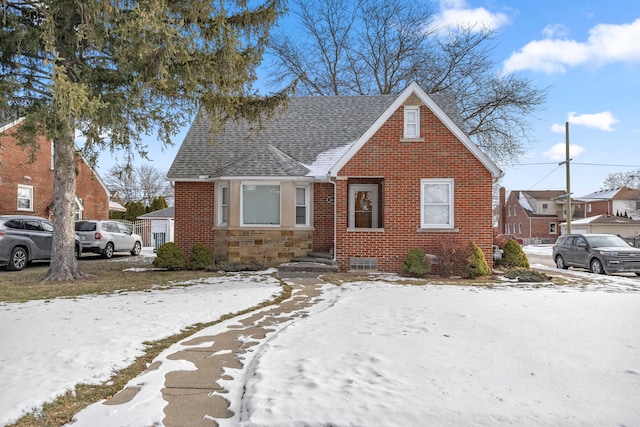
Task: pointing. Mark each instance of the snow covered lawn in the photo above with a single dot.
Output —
(50, 346)
(369, 353)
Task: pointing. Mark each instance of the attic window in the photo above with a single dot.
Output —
(411, 122)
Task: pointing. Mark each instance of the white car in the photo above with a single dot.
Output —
(106, 237)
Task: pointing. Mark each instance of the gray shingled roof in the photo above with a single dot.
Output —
(287, 144)
(161, 213)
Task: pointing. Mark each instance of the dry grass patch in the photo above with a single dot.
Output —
(106, 276)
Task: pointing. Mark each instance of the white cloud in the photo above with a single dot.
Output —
(455, 13)
(606, 44)
(602, 121)
(559, 151)
(555, 30)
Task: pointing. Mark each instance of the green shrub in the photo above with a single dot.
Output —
(201, 257)
(476, 263)
(416, 264)
(451, 255)
(514, 256)
(526, 275)
(169, 256)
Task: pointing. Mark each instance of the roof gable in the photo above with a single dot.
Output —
(412, 90)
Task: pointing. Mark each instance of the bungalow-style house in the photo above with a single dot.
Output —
(26, 187)
(365, 178)
(532, 216)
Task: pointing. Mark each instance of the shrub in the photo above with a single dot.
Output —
(416, 264)
(201, 257)
(452, 257)
(525, 275)
(514, 256)
(476, 263)
(169, 256)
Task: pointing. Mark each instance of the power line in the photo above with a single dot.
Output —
(579, 163)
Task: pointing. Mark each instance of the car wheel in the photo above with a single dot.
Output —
(18, 260)
(136, 249)
(596, 266)
(108, 251)
(77, 251)
(560, 263)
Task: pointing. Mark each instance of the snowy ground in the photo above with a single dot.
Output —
(368, 354)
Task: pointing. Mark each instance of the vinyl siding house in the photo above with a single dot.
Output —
(26, 187)
(364, 178)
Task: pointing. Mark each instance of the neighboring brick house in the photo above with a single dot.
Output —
(367, 178)
(27, 187)
(616, 201)
(533, 216)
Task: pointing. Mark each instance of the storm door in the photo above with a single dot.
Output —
(363, 206)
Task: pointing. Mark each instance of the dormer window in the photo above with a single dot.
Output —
(412, 122)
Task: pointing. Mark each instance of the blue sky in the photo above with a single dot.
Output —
(587, 53)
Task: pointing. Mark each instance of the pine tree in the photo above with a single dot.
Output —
(118, 70)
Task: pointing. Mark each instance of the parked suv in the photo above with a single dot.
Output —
(598, 253)
(26, 238)
(107, 237)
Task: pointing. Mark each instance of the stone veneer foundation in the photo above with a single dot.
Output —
(270, 247)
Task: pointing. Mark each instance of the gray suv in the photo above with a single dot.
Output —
(598, 253)
(107, 237)
(25, 238)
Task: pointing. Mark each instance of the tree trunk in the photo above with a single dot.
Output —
(64, 266)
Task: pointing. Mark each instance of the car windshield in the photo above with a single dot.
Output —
(607, 241)
(85, 226)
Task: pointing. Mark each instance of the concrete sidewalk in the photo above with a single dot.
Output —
(189, 393)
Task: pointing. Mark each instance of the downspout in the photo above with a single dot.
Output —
(335, 216)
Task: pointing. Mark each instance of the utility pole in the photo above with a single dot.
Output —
(567, 162)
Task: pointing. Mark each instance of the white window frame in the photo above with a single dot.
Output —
(588, 207)
(545, 208)
(305, 205)
(519, 228)
(77, 215)
(508, 228)
(450, 203)
(221, 205)
(553, 227)
(259, 184)
(29, 198)
(412, 122)
(509, 210)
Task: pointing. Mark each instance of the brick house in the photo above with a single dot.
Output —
(613, 202)
(26, 187)
(366, 178)
(533, 216)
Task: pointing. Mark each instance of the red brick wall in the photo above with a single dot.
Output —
(15, 165)
(323, 212)
(518, 217)
(95, 197)
(194, 215)
(403, 165)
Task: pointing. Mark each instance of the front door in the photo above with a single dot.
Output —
(363, 206)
